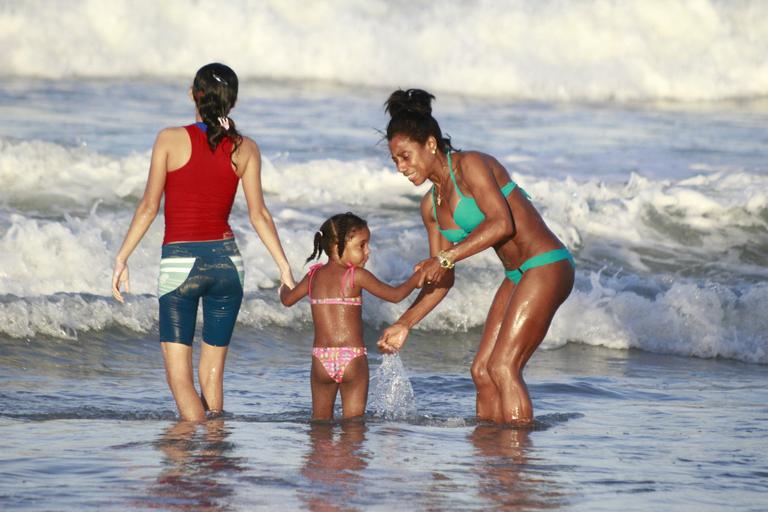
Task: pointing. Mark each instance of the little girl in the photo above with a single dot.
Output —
(339, 356)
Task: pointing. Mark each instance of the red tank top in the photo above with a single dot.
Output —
(199, 195)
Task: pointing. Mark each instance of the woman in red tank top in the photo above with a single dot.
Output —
(198, 168)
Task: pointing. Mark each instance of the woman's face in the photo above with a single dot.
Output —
(415, 161)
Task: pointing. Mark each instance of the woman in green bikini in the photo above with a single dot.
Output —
(473, 205)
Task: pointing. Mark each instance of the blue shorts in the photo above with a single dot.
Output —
(189, 271)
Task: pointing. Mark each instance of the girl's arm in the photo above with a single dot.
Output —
(290, 296)
(432, 293)
(371, 284)
(146, 210)
(259, 215)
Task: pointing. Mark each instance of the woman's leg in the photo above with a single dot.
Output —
(180, 376)
(488, 398)
(210, 373)
(354, 387)
(324, 390)
(528, 317)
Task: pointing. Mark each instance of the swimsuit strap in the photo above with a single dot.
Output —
(348, 279)
(450, 169)
(434, 203)
(453, 178)
(314, 268)
(347, 282)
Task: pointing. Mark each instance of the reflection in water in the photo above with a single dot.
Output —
(196, 458)
(507, 476)
(333, 465)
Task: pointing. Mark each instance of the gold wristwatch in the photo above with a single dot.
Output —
(444, 260)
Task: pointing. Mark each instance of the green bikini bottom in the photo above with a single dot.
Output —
(539, 260)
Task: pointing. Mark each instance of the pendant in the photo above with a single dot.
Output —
(439, 200)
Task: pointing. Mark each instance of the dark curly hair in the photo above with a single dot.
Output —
(335, 231)
(411, 115)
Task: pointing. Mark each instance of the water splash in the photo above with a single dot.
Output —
(392, 397)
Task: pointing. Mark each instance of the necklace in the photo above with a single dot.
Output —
(440, 189)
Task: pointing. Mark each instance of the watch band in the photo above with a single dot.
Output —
(444, 260)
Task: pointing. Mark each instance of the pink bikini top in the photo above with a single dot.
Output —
(347, 281)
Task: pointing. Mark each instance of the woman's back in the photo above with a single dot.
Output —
(199, 194)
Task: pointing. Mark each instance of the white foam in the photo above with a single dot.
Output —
(716, 209)
(686, 254)
(688, 319)
(45, 175)
(43, 172)
(66, 316)
(682, 49)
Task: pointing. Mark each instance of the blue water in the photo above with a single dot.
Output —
(93, 428)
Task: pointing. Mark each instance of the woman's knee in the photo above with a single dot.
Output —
(480, 376)
(503, 373)
(180, 380)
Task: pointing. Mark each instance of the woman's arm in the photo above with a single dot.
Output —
(497, 225)
(259, 215)
(290, 296)
(146, 210)
(432, 293)
(370, 283)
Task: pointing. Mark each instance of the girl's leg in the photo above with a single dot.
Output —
(324, 390)
(529, 315)
(488, 398)
(178, 372)
(210, 373)
(354, 387)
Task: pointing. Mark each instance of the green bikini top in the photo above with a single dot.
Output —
(467, 214)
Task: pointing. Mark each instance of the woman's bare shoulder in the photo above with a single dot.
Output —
(471, 160)
(172, 133)
(476, 158)
(248, 147)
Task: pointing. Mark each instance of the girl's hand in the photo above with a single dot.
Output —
(120, 277)
(282, 290)
(392, 339)
(431, 271)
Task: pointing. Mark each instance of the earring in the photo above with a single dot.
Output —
(434, 151)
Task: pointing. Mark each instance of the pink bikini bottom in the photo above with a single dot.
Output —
(336, 359)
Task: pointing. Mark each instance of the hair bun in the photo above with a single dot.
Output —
(411, 100)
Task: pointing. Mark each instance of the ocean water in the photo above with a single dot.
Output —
(641, 131)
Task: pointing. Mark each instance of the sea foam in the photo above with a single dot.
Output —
(678, 49)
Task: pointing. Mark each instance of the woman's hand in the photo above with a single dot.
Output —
(120, 277)
(286, 279)
(393, 338)
(430, 270)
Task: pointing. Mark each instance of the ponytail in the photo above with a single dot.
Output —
(214, 90)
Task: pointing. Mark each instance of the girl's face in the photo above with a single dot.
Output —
(415, 161)
(356, 249)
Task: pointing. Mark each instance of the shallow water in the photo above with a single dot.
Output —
(614, 429)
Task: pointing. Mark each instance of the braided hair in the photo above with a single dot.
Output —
(411, 115)
(214, 90)
(335, 230)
